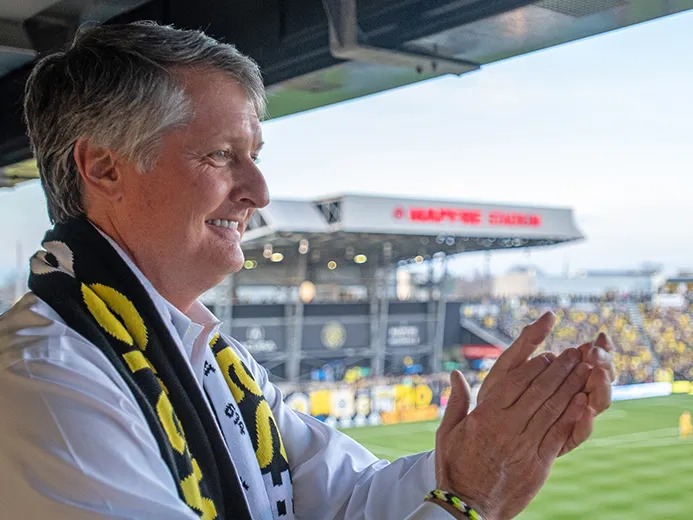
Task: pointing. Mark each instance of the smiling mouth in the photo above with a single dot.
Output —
(225, 224)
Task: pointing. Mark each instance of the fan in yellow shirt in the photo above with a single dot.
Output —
(685, 427)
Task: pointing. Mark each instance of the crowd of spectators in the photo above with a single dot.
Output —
(670, 331)
(579, 324)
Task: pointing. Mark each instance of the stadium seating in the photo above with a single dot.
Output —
(671, 334)
(581, 323)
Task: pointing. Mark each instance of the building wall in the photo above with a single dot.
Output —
(594, 285)
(516, 284)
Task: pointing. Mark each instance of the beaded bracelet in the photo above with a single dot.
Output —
(454, 501)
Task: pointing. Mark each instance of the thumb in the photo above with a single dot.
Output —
(458, 404)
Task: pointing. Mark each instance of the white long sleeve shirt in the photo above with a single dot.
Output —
(74, 444)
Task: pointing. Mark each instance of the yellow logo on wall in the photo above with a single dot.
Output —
(333, 335)
(298, 402)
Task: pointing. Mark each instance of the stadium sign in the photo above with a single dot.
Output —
(260, 338)
(389, 215)
(403, 336)
(406, 333)
(334, 335)
(433, 226)
(468, 217)
(480, 352)
(255, 340)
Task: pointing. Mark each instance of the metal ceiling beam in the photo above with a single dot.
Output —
(13, 38)
(346, 44)
(308, 62)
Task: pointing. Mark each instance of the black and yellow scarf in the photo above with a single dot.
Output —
(89, 285)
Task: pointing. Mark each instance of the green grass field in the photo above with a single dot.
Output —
(635, 466)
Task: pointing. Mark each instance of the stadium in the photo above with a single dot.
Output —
(349, 300)
(335, 270)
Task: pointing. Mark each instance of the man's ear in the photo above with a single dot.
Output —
(97, 166)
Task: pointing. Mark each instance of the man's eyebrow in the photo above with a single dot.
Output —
(230, 138)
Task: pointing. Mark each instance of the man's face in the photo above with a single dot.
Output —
(188, 214)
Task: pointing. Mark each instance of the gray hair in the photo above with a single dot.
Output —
(116, 86)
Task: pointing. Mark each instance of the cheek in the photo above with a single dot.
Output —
(207, 193)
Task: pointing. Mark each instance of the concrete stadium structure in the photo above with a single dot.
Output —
(332, 264)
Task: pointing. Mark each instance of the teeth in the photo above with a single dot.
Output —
(228, 224)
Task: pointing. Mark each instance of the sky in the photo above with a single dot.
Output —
(602, 126)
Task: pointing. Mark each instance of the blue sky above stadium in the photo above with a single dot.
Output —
(602, 125)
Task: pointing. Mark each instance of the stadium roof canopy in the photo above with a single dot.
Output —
(314, 53)
(394, 229)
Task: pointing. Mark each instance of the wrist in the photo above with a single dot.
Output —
(451, 510)
(457, 505)
(484, 508)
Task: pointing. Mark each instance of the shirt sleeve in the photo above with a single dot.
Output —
(429, 511)
(74, 444)
(335, 477)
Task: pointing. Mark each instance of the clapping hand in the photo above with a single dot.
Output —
(597, 354)
(499, 456)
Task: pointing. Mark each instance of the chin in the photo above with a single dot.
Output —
(221, 262)
(234, 263)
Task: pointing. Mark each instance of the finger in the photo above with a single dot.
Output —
(595, 356)
(530, 338)
(581, 432)
(22, 317)
(585, 349)
(556, 437)
(598, 390)
(17, 342)
(458, 403)
(603, 341)
(546, 384)
(604, 344)
(27, 300)
(552, 409)
(517, 381)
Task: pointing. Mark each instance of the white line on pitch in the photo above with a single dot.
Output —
(616, 440)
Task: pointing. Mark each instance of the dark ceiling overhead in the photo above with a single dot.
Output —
(318, 52)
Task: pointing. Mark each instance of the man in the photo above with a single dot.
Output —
(119, 397)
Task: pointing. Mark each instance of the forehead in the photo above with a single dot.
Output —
(219, 103)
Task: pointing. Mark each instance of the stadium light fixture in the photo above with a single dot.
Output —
(250, 264)
(360, 259)
(306, 291)
(419, 259)
(267, 253)
(303, 246)
(332, 265)
(277, 257)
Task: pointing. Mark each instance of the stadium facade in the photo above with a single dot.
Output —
(330, 273)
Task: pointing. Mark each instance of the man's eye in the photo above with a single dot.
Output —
(221, 155)
(255, 158)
